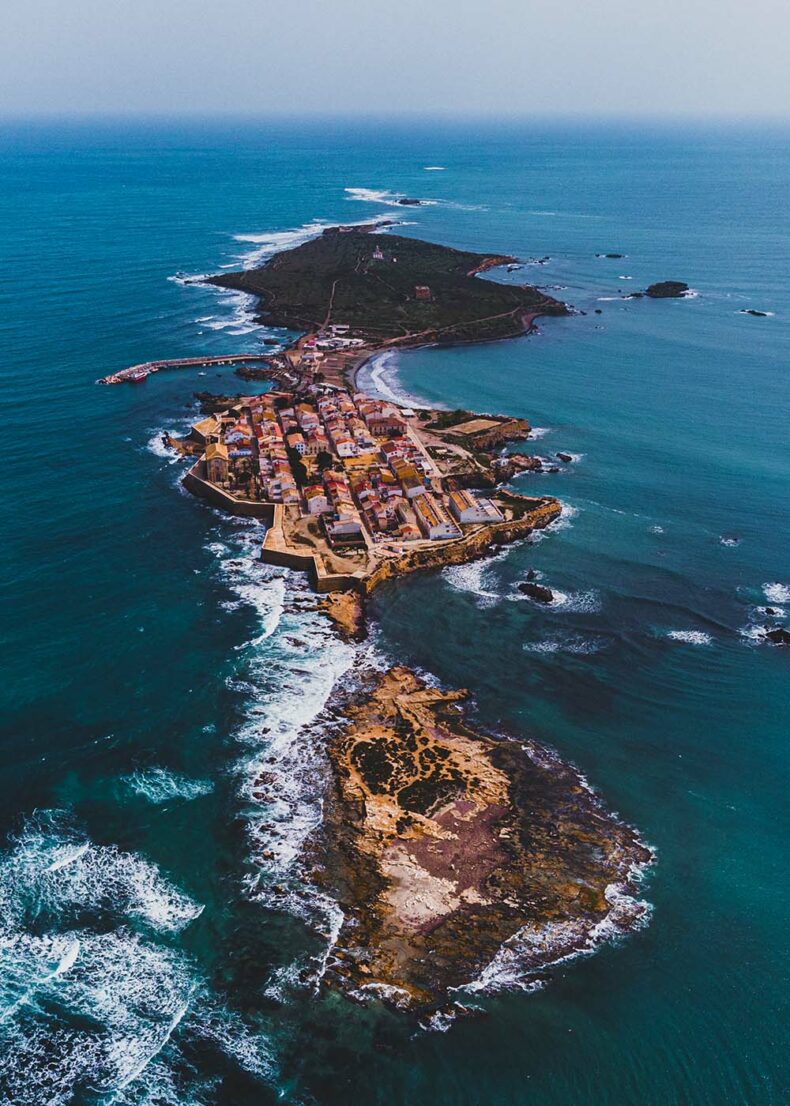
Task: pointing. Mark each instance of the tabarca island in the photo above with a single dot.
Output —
(444, 845)
(355, 490)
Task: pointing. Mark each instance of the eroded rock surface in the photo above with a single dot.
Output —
(442, 843)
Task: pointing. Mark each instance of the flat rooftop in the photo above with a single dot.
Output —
(474, 426)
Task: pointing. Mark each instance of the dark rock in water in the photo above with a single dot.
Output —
(771, 611)
(779, 636)
(408, 201)
(610, 255)
(753, 311)
(271, 341)
(538, 592)
(598, 311)
(210, 402)
(532, 574)
(553, 468)
(634, 296)
(666, 289)
(566, 457)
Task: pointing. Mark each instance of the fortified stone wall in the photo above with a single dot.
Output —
(467, 549)
(246, 508)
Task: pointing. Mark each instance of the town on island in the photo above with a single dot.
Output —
(452, 851)
(355, 490)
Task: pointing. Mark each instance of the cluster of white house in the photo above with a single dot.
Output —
(360, 470)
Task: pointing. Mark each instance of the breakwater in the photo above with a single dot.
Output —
(135, 374)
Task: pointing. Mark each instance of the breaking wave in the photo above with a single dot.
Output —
(558, 942)
(268, 243)
(381, 377)
(157, 785)
(382, 196)
(690, 637)
(776, 593)
(93, 989)
(576, 646)
(53, 872)
(472, 578)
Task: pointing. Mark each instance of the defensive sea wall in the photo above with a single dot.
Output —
(469, 548)
(195, 482)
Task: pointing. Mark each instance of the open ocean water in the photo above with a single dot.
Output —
(151, 664)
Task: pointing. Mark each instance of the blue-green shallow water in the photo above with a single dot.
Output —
(150, 664)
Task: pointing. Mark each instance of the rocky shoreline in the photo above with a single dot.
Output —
(449, 849)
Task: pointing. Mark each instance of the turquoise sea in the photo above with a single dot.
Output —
(152, 664)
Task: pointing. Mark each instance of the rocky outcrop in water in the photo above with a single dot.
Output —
(538, 592)
(346, 609)
(454, 853)
(666, 289)
(779, 636)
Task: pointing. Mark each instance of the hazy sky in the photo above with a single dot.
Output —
(601, 57)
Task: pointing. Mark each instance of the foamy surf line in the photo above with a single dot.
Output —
(89, 999)
(380, 376)
(289, 668)
(385, 197)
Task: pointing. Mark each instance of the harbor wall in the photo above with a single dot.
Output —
(245, 508)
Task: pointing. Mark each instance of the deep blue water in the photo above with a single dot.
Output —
(151, 663)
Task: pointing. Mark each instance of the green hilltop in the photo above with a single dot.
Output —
(390, 287)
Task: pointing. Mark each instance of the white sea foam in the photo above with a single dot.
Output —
(776, 593)
(474, 578)
(553, 943)
(772, 612)
(267, 243)
(290, 666)
(540, 431)
(382, 196)
(754, 633)
(52, 870)
(574, 602)
(656, 529)
(434, 168)
(569, 513)
(729, 541)
(156, 444)
(158, 785)
(690, 637)
(239, 319)
(576, 646)
(85, 1001)
(382, 373)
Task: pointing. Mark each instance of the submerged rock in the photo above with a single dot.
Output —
(565, 457)
(441, 843)
(755, 312)
(539, 592)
